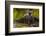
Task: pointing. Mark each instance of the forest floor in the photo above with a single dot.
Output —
(20, 25)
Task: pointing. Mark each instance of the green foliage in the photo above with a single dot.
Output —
(18, 13)
(35, 12)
